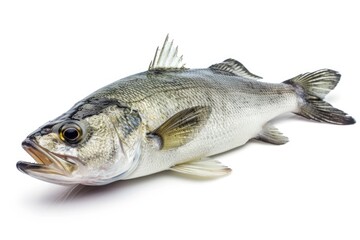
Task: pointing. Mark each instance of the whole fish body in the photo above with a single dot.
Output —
(172, 118)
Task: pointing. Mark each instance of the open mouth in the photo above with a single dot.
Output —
(46, 162)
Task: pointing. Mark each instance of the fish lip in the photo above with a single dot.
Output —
(46, 161)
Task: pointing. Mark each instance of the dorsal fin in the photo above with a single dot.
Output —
(167, 57)
(234, 67)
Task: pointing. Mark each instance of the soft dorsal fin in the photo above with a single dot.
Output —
(234, 67)
(167, 57)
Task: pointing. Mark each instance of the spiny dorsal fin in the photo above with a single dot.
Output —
(167, 57)
(206, 168)
(234, 67)
(181, 128)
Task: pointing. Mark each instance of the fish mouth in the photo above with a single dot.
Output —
(46, 161)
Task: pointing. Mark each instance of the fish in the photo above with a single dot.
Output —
(172, 118)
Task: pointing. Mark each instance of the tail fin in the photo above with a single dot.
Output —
(312, 88)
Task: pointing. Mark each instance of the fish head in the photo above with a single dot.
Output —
(92, 149)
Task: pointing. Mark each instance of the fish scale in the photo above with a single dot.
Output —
(236, 105)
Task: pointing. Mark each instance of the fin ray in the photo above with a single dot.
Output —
(166, 57)
(181, 127)
(322, 111)
(311, 89)
(207, 168)
(234, 67)
(318, 83)
(272, 135)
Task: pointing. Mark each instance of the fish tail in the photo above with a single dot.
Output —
(311, 89)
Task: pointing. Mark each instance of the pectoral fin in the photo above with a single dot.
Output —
(272, 135)
(207, 168)
(181, 127)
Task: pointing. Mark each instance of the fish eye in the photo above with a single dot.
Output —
(70, 133)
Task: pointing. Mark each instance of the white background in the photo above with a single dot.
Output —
(53, 53)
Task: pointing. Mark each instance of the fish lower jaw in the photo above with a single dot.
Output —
(45, 161)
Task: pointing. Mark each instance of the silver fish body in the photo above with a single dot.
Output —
(172, 118)
(239, 109)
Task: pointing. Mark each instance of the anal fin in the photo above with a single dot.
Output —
(272, 135)
(206, 168)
